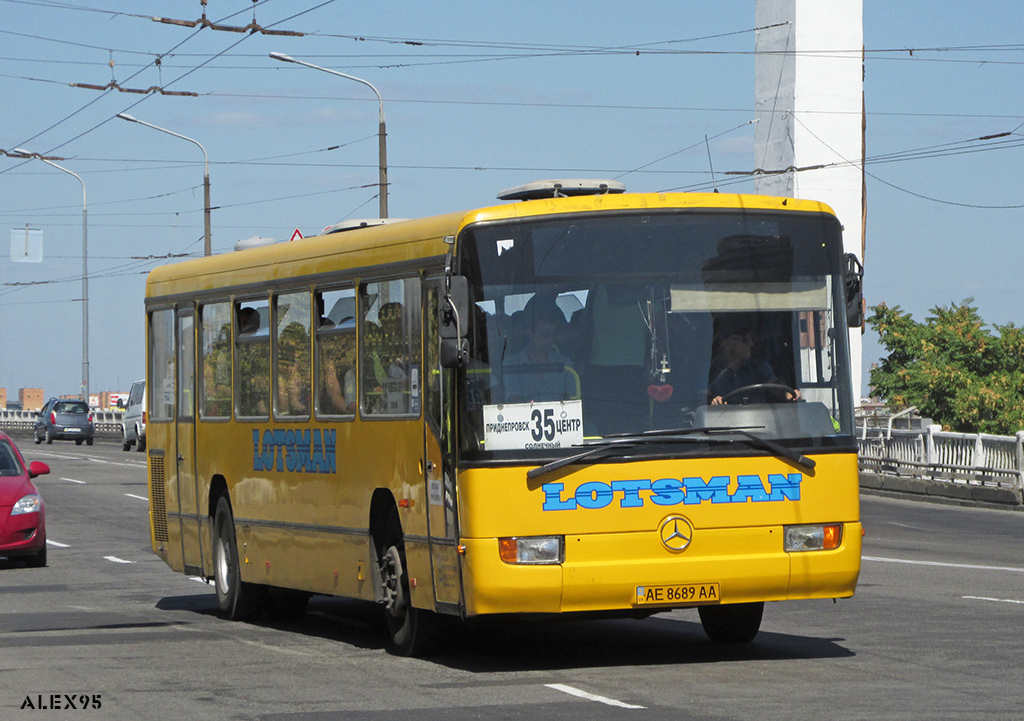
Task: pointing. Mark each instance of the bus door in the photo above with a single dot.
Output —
(439, 459)
(185, 451)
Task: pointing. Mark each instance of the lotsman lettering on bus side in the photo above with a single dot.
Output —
(674, 491)
(295, 450)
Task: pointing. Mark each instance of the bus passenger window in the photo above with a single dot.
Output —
(293, 373)
(390, 352)
(215, 359)
(252, 356)
(162, 369)
(336, 352)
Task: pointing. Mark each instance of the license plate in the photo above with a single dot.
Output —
(679, 594)
(72, 430)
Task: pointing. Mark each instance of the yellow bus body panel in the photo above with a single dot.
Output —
(611, 551)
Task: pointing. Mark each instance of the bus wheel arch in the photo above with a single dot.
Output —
(382, 505)
(412, 631)
(218, 488)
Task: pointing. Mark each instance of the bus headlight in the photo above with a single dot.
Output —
(817, 537)
(535, 550)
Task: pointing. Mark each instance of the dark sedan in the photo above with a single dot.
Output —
(64, 420)
(22, 515)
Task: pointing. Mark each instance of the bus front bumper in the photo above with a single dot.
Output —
(603, 572)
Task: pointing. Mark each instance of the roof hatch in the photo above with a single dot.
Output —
(561, 189)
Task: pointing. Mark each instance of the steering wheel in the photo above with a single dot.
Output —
(760, 387)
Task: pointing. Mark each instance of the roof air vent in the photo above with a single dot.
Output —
(356, 224)
(561, 189)
(255, 241)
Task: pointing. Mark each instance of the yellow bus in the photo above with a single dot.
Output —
(580, 401)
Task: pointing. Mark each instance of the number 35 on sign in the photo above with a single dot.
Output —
(517, 426)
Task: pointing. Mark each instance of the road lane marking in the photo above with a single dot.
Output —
(49, 454)
(55, 544)
(136, 464)
(73, 480)
(115, 559)
(997, 600)
(940, 564)
(572, 691)
(141, 498)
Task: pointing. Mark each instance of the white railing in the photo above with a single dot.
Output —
(104, 421)
(964, 458)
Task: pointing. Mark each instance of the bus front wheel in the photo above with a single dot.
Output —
(238, 601)
(412, 630)
(734, 623)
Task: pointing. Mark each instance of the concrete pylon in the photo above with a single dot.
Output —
(809, 136)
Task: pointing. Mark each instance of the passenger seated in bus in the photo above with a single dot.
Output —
(733, 368)
(248, 320)
(540, 372)
(293, 370)
(338, 393)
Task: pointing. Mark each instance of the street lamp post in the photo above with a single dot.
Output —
(85, 272)
(382, 148)
(206, 174)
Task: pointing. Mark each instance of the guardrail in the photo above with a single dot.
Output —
(958, 459)
(104, 421)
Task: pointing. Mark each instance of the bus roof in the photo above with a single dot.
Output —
(412, 240)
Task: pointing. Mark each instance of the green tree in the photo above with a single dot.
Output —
(952, 367)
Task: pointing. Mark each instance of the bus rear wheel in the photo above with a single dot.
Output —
(238, 601)
(413, 631)
(734, 623)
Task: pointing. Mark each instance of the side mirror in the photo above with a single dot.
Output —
(853, 280)
(454, 353)
(37, 468)
(455, 308)
(454, 325)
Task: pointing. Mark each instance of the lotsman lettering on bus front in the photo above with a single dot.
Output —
(673, 492)
(294, 450)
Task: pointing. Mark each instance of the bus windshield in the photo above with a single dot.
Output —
(608, 326)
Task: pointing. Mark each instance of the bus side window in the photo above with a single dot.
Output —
(390, 350)
(292, 358)
(162, 367)
(252, 358)
(336, 352)
(215, 360)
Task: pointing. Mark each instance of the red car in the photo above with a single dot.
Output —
(22, 515)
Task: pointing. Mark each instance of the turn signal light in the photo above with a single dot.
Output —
(813, 537)
(536, 550)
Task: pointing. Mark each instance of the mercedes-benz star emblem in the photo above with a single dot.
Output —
(676, 533)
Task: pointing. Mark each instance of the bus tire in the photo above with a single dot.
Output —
(732, 623)
(238, 601)
(413, 631)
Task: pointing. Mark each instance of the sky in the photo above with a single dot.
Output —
(478, 97)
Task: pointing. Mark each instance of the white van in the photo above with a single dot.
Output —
(133, 423)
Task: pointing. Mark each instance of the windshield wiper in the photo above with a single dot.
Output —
(745, 431)
(624, 441)
(617, 441)
(595, 450)
(771, 446)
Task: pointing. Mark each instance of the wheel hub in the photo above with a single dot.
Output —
(391, 582)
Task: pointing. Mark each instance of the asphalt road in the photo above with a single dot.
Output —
(935, 631)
